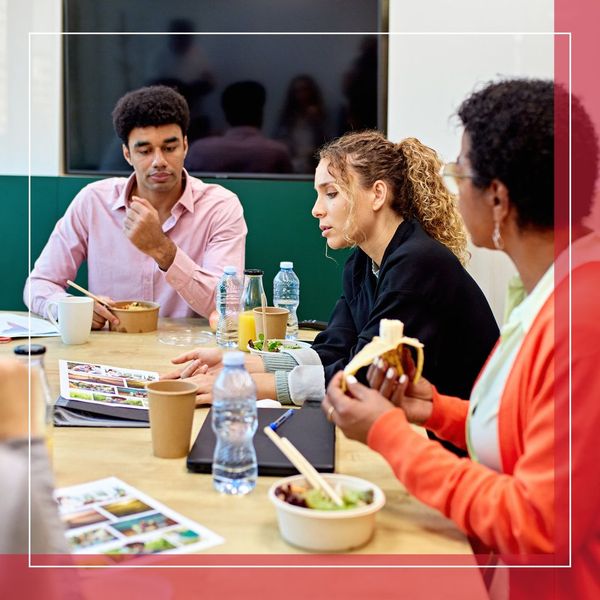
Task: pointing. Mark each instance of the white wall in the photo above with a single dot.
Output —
(17, 19)
(432, 72)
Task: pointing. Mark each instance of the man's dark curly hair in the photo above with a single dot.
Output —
(150, 107)
(511, 127)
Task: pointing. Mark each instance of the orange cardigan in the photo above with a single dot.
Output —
(522, 513)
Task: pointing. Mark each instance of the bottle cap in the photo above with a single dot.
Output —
(229, 270)
(286, 264)
(233, 359)
(27, 350)
(253, 272)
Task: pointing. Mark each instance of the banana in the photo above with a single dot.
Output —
(387, 345)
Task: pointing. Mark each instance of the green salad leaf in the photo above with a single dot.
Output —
(273, 345)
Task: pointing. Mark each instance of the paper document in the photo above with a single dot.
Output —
(104, 385)
(20, 326)
(108, 516)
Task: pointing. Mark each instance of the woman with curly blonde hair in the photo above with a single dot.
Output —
(389, 201)
(411, 169)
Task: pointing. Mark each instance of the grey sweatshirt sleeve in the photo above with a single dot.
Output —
(298, 375)
(47, 531)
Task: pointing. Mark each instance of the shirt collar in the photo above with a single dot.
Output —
(525, 307)
(186, 199)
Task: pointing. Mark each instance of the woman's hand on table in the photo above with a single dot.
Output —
(205, 382)
(208, 360)
(200, 362)
(265, 386)
(415, 399)
(354, 411)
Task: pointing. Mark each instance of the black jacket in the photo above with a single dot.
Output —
(423, 284)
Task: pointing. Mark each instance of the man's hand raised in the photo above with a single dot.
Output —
(143, 228)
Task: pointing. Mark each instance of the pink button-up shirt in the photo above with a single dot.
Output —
(206, 224)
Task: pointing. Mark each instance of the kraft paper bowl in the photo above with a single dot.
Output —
(141, 320)
(327, 530)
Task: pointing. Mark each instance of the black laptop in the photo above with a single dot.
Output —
(307, 429)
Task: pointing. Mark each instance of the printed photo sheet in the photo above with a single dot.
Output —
(104, 384)
(110, 517)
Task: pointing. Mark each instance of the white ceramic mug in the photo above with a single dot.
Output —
(74, 318)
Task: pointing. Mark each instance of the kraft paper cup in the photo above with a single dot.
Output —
(276, 322)
(140, 320)
(171, 404)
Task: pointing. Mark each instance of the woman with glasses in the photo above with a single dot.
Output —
(389, 202)
(515, 427)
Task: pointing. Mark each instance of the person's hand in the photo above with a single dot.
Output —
(102, 314)
(415, 399)
(356, 411)
(143, 228)
(208, 360)
(14, 405)
(254, 364)
(201, 361)
(205, 382)
(265, 385)
(196, 367)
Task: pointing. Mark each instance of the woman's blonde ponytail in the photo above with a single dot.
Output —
(426, 198)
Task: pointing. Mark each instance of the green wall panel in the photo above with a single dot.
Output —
(277, 213)
(13, 241)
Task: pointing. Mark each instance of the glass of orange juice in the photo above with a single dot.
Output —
(246, 329)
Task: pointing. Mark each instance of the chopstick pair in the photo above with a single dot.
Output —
(299, 461)
(89, 294)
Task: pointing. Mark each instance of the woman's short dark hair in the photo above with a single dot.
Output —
(510, 125)
(150, 107)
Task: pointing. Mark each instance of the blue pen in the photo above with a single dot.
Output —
(282, 419)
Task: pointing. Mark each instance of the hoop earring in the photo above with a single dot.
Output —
(497, 238)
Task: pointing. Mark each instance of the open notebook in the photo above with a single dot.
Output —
(308, 430)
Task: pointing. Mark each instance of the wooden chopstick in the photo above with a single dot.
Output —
(88, 293)
(263, 303)
(316, 475)
(294, 455)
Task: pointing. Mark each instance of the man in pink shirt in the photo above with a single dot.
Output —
(160, 235)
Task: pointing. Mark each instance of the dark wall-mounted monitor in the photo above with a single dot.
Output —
(295, 74)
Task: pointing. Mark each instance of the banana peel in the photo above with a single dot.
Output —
(387, 345)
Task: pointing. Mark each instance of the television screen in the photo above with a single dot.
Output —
(267, 81)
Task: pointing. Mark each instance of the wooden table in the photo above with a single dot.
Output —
(248, 524)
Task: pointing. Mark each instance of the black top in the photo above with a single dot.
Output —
(422, 283)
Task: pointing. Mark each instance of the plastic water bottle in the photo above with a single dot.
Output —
(286, 294)
(229, 290)
(43, 413)
(234, 421)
